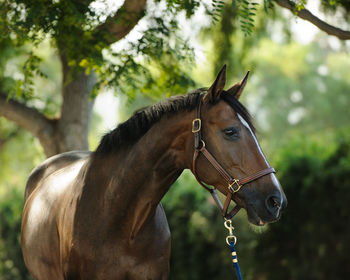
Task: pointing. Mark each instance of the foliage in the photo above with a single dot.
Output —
(155, 65)
(11, 263)
(341, 7)
(230, 46)
(293, 88)
(218, 7)
(26, 25)
(16, 158)
(304, 93)
(246, 11)
(312, 240)
(16, 161)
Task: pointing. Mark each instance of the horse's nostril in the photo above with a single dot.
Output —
(273, 204)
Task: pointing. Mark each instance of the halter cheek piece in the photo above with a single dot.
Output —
(234, 185)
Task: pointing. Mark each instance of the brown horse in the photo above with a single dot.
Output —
(98, 215)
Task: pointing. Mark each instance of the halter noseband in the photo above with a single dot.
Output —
(234, 185)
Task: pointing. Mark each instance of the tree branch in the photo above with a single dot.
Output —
(30, 119)
(118, 26)
(307, 15)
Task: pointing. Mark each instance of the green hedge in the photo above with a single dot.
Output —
(11, 262)
(312, 240)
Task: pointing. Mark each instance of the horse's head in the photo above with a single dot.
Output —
(228, 135)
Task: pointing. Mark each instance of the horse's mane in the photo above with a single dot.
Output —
(128, 132)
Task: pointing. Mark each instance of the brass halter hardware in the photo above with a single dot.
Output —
(196, 125)
(230, 237)
(234, 185)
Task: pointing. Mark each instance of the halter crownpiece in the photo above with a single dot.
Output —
(234, 185)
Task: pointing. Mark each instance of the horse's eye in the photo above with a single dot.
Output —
(232, 133)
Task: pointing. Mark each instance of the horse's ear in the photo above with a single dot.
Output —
(237, 89)
(218, 86)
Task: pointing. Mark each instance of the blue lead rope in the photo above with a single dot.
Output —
(231, 241)
(235, 261)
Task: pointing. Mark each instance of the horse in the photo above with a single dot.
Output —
(97, 215)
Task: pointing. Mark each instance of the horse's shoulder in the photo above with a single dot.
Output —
(51, 165)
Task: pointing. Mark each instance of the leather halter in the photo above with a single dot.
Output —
(234, 185)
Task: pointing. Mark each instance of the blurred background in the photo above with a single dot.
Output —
(298, 94)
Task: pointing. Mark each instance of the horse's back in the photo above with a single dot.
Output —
(44, 200)
(51, 165)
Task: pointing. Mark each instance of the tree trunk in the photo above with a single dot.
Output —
(72, 128)
(70, 131)
(67, 132)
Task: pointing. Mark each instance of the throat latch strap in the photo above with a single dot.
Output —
(234, 185)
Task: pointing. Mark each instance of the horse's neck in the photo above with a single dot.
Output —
(136, 179)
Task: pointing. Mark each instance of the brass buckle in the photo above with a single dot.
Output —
(196, 125)
(235, 182)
